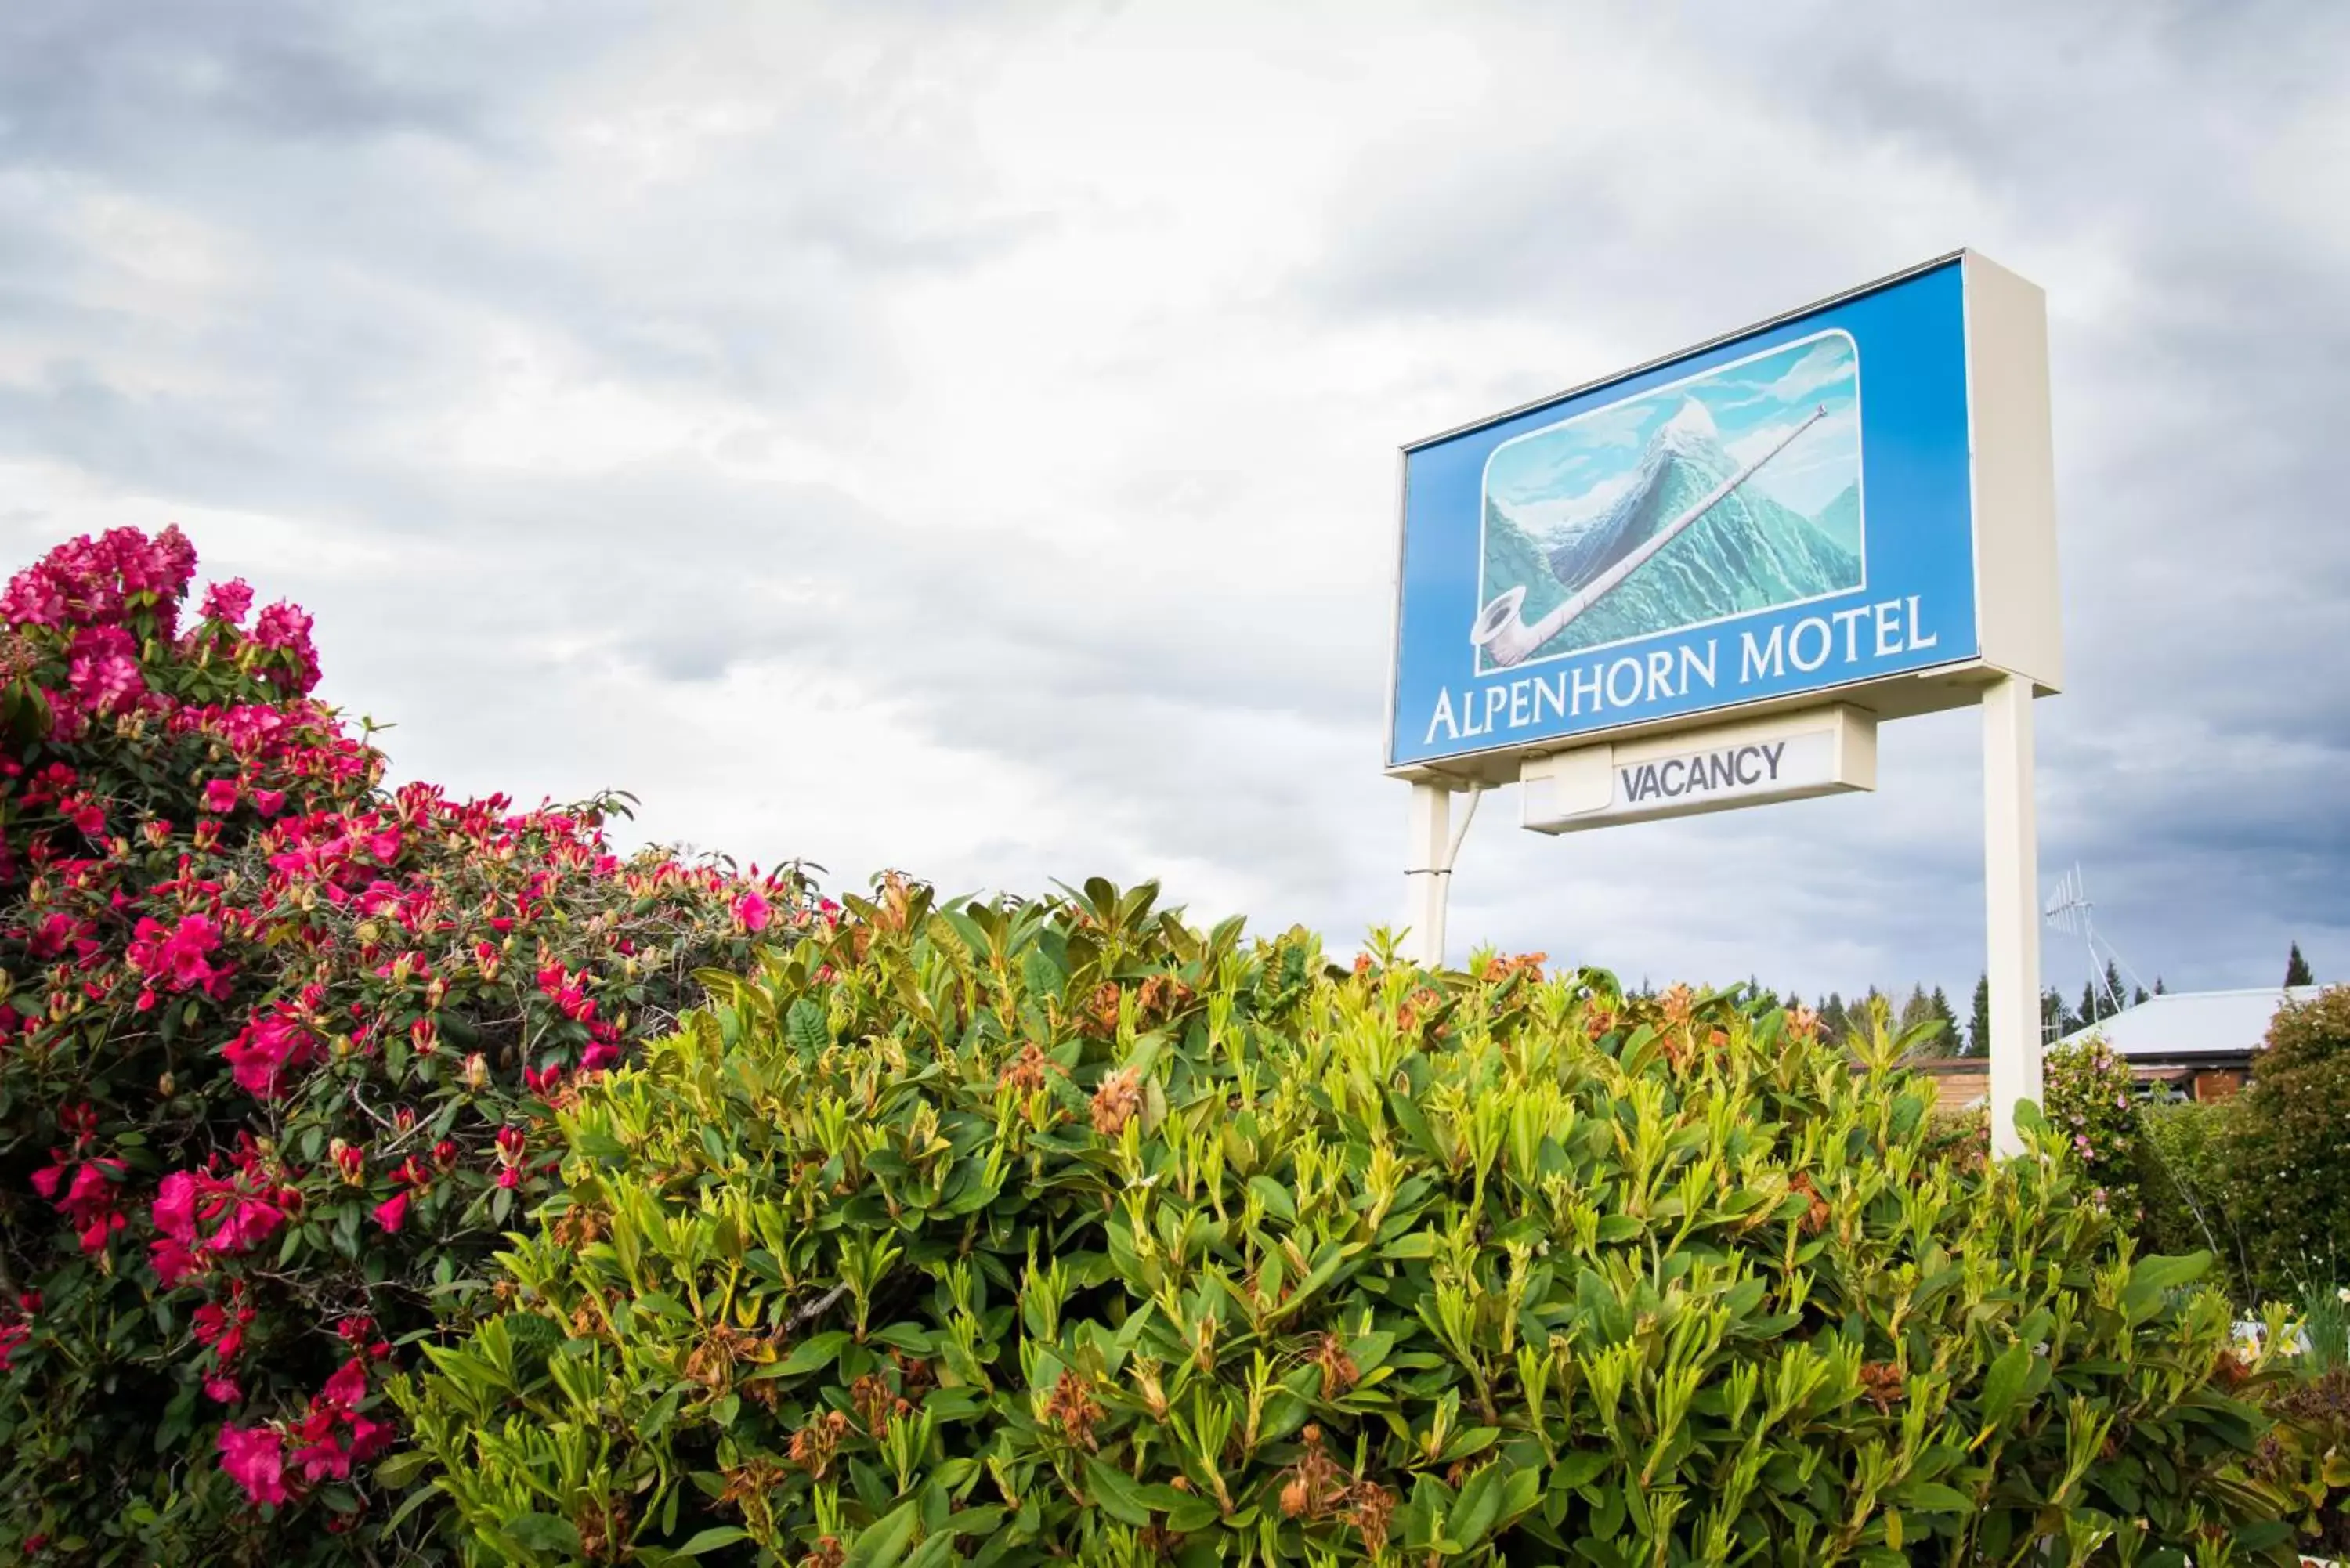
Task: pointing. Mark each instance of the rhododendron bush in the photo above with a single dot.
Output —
(279, 1051)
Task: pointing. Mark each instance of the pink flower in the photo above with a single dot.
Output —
(368, 1439)
(268, 1048)
(100, 1229)
(220, 797)
(104, 670)
(269, 802)
(177, 957)
(348, 1387)
(228, 601)
(175, 1207)
(599, 1056)
(283, 628)
(91, 1191)
(249, 1223)
(254, 1458)
(751, 912)
(220, 1388)
(175, 1263)
(392, 1212)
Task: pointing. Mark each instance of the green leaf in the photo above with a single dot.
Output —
(1276, 1199)
(2004, 1382)
(1931, 1497)
(1114, 1491)
(542, 1533)
(1479, 1507)
(397, 1471)
(711, 1539)
(816, 1351)
(1467, 1441)
(884, 1542)
(807, 1027)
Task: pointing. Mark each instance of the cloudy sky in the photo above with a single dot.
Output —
(961, 438)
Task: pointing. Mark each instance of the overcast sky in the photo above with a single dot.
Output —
(961, 438)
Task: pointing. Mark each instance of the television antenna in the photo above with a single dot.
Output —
(2069, 910)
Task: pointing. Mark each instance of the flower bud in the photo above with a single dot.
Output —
(476, 1073)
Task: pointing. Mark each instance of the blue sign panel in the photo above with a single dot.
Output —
(1784, 511)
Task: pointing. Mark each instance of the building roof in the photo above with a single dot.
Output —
(2196, 1023)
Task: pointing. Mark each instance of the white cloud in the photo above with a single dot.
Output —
(965, 439)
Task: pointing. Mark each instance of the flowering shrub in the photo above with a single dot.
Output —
(2091, 1102)
(2287, 1147)
(279, 1049)
(1066, 1232)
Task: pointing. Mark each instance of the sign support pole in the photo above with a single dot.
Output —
(2011, 886)
(1427, 872)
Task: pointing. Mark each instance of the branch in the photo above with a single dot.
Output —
(816, 1308)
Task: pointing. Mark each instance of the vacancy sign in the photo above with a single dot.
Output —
(1823, 751)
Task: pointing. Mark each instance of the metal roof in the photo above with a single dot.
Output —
(2196, 1022)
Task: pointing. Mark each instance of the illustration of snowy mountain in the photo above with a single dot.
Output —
(1746, 552)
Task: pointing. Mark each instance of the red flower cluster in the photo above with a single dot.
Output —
(84, 1187)
(330, 1438)
(16, 1327)
(202, 1216)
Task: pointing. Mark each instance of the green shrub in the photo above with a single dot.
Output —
(1029, 1232)
(2288, 1146)
(2186, 1191)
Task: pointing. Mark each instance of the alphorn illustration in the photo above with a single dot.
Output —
(1501, 632)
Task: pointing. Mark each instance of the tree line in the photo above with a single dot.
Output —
(2100, 1000)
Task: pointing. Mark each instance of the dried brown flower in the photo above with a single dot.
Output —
(1373, 1506)
(1162, 996)
(1072, 1409)
(1101, 1019)
(1338, 1370)
(1815, 1217)
(1026, 1076)
(1115, 1103)
(873, 1398)
(1312, 1488)
(1880, 1384)
(711, 1363)
(603, 1529)
(814, 1445)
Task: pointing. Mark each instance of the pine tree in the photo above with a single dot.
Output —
(2296, 969)
(1946, 1044)
(2157, 985)
(1917, 1010)
(2087, 1015)
(1835, 1024)
(1979, 1023)
(2113, 987)
(2138, 996)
